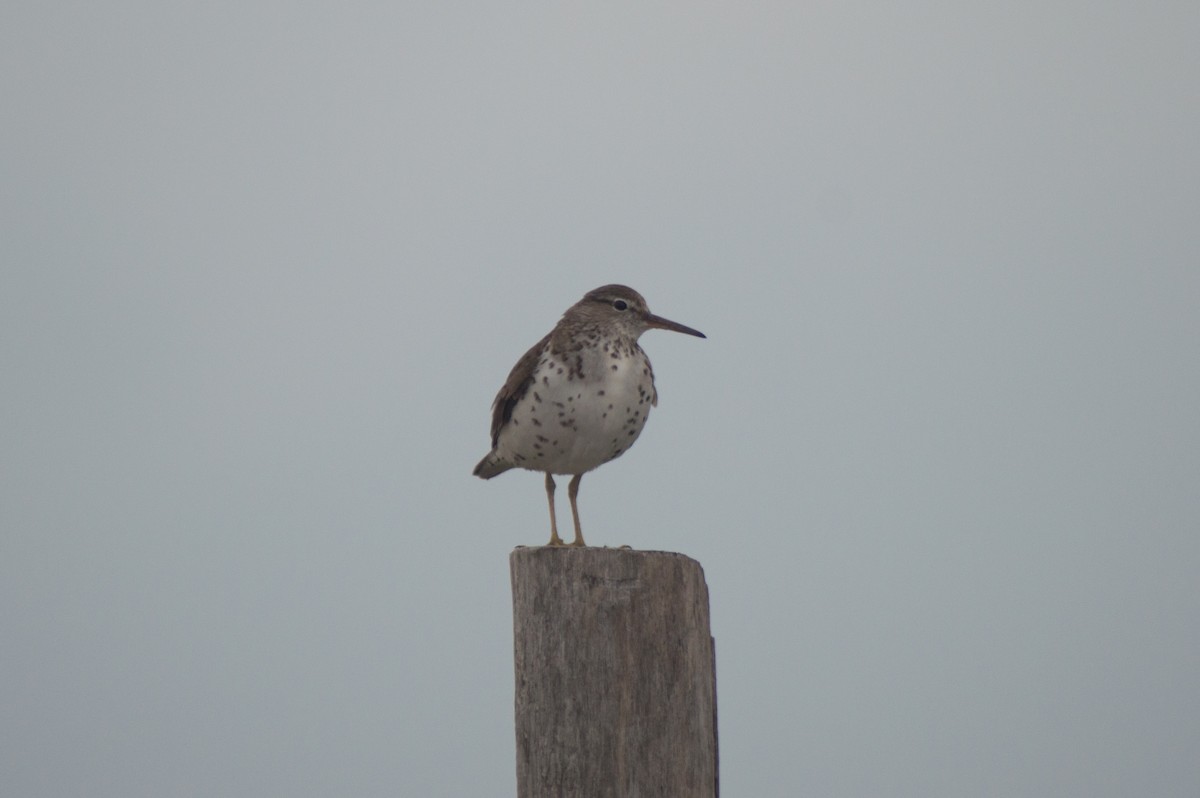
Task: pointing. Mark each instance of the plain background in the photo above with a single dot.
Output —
(265, 266)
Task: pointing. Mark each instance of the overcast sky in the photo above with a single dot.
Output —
(265, 266)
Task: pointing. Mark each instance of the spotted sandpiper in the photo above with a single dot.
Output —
(579, 397)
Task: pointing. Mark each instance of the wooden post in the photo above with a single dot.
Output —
(615, 678)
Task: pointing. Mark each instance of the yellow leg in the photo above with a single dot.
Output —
(555, 540)
(572, 492)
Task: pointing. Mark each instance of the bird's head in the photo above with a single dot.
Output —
(621, 307)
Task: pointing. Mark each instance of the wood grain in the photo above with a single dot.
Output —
(615, 681)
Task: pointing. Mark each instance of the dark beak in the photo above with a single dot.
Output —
(660, 323)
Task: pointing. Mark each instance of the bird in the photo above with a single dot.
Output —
(579, 397)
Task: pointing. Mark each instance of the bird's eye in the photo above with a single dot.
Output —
(620, 304)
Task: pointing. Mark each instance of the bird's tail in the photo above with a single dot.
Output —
(491, 465)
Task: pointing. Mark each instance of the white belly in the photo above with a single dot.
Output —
(570, 424)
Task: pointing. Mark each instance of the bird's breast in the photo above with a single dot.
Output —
(583, 408)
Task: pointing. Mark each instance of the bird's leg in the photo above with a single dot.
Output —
(555, 540)
(572, 492)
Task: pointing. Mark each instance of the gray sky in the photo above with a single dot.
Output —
(264, 268)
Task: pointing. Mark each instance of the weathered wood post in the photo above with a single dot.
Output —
(615, 676)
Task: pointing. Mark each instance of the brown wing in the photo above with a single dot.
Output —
(518, 382)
